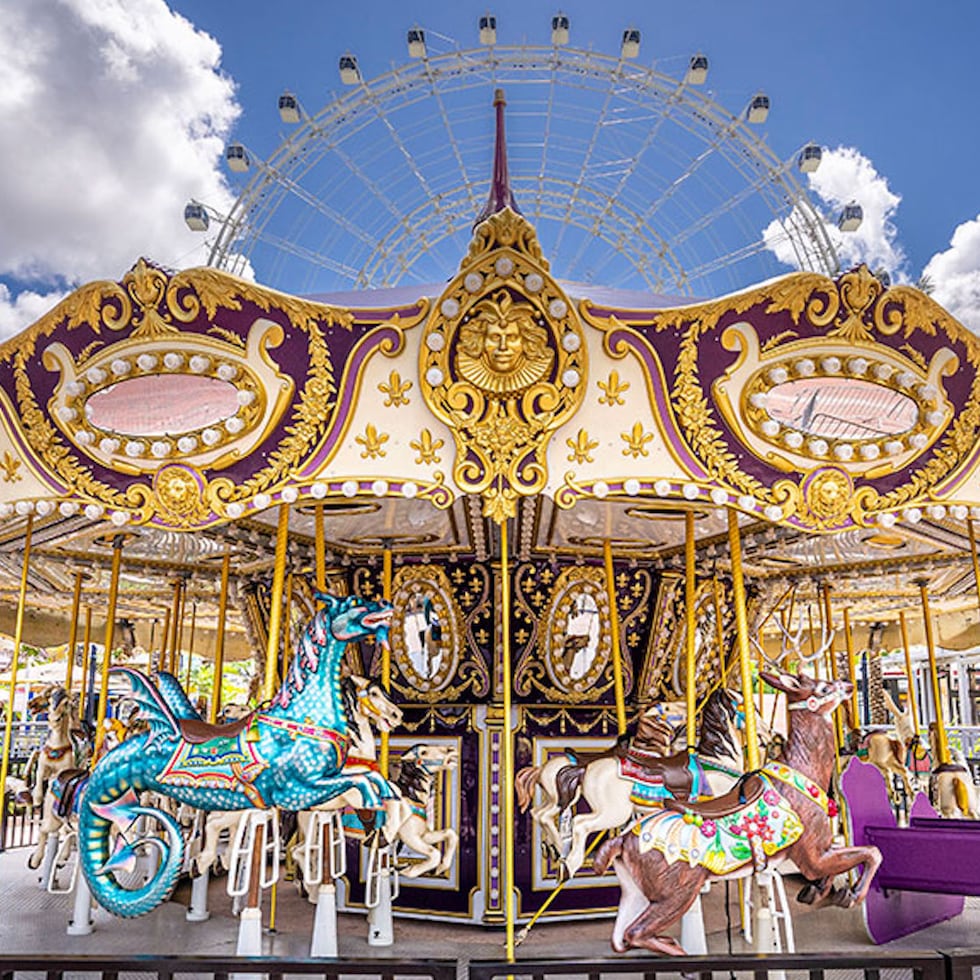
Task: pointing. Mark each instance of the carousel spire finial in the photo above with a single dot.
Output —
(501, 196)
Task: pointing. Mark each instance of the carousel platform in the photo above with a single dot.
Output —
(33, 922)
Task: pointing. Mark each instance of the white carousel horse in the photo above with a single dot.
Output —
(948, 799)
(64, 788)
(414, 774)
(367, 707)
(611, 797)
(58, 752)
(651, 728)
(888, 752)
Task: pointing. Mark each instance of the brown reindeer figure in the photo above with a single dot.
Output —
(781, 811)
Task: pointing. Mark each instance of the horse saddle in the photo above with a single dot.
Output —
(949, 767)
(673, 771)
(197, 731)
(64, 787)
(745, 792)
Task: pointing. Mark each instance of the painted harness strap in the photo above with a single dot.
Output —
(297, 729)
(806, 786)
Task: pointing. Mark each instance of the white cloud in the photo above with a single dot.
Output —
(117, 113)
(846, 175)
(17, 312)
(955, 274)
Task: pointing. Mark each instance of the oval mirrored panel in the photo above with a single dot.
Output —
(841, 408)
(162, 404)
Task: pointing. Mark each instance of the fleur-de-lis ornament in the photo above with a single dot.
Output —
(613, 390)
(581, 447)
(427, 448)
(636, 440)
(395, 390)
(372, 441)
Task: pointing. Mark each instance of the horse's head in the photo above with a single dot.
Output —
(433, 757)
(354, 618)
(59, 704)
(375, 705)
(810, 693)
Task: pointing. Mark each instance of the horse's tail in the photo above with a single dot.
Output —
(111, 798)
(524, 783)
(608, 851)
(568, 786)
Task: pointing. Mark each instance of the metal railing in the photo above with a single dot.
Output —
(18, 828)
(810, 966)
(220, 968)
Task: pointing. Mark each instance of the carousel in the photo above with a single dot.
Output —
(555, 598)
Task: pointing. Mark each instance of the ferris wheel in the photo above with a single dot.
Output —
(635, 177)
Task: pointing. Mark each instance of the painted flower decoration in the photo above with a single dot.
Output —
(771, 797)
(708, 828)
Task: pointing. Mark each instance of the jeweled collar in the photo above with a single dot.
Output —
(805, 785)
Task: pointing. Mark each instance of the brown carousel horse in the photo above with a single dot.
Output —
(780, 812)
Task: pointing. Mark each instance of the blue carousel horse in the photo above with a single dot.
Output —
(289, 754)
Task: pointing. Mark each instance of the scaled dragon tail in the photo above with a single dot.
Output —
(111, 837)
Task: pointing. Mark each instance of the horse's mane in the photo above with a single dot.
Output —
(412, 779)
(716, 736)
(348, 691)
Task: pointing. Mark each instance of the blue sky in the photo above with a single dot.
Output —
(115, 112)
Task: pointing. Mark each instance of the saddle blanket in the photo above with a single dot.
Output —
(220, 763)
(648, 788)
(723, 844)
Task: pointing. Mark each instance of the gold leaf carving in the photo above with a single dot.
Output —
(581, 448)
(395, 390)
(613, 390)
(427, 448)
(636, 440)
(372, 441)
(10, 465)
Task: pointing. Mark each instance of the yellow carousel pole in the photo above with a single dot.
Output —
(385, 654)
(690, 585)
(275, 610)
(219, 639)
(179, 627)
(110, 628)
(161, 663)
(174, 618)
(287, 624)
(86, 655)
(18, 637)
(190, 649)
(909, 673)
(614, 637)
(933, 672)
(507, 749)
(742, 633)
(320, 544)
(76, 604)
(832, 657)
(851, 670)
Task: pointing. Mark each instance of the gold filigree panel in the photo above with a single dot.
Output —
(503, 363)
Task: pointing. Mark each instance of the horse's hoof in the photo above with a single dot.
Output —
(807, 894)
(33, 863)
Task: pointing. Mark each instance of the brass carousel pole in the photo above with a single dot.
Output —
(973, 556)
(943, 742)
(174, 618)
(86, 656)
(110, 628)
(507, 749)
(161, 662)
(851, 670)
(179, 627)
(614, 637)
(385, 653)
(18, 636)
(275, 609)
(219, 639)
(832, 657)
(742, 632)
(76, 604)
(909, 673)
(320, 544)
(690, 694)
(190, 648)
(287, 624)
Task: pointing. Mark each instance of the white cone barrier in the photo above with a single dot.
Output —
(249, 933)
(82, 923)
(324, 940)
(381, 929)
